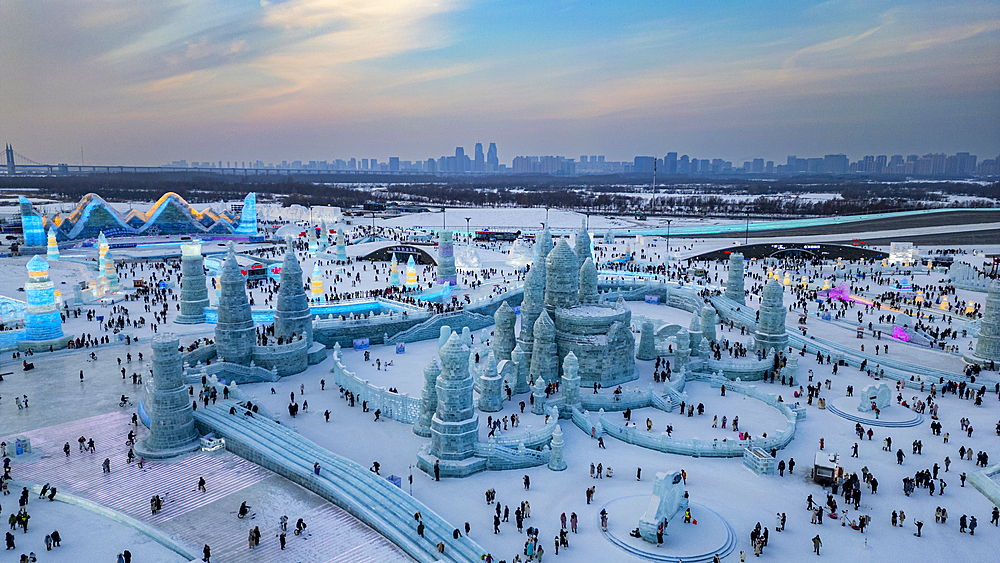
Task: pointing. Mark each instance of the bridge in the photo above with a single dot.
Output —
(20, 165)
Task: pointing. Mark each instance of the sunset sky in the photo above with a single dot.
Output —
(150, 82)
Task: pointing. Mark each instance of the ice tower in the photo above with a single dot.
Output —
(248, 217)
(341, 246)
(411, 273)
(171, 419)
(234, 333)
(315, 281)
(771, 326)
(292, 314)
(42, 320)
(111, 273)
(194, 293)
(394, 271)
(32, 224)
(734, 288)
(988, 342)
(52, 252)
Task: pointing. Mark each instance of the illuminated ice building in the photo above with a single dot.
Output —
(42, 321)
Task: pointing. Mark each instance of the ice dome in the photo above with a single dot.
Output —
(37, 264)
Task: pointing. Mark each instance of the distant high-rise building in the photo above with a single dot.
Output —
(431, 165)
(835, 164)
(393, 164)
(352, 164)
(479, 164)
(684, 165)
(758, 166)
(492, 160)
(364, 164)
(670, 163)
(769, 167)
(644, 164)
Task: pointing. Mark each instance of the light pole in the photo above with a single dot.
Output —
(468, 232)
(746, 239)
(668, 236)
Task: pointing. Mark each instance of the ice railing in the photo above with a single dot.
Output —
(499, 458)
(249, 373)
(333, 320)
(504, 293)
(397, 406)
(698, 447)
(531, 438)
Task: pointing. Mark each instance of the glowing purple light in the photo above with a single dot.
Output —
(899, 333)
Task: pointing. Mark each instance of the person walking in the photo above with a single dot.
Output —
(207, 552)
(817, 543)
(201, 485)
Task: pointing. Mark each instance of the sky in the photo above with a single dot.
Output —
(238, 80)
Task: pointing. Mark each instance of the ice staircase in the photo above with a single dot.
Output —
(373, 500)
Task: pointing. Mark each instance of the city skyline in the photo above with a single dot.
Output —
(314, 79)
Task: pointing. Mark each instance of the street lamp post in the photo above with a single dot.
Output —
(468, 232)
(668, 236)
(746, 239)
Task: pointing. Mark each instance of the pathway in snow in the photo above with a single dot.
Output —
(333, 534)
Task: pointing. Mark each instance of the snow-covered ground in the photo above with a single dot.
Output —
(722, 485)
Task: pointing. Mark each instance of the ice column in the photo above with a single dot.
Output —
(544, 356)
(708, 323)
(455, 425)
(491, 386)
(521, 366)
(538, 393)
(394, 271)
(571, 381)
(446, 259)
(341, 246)
(315, 282)
(771, 333)
(111, 273)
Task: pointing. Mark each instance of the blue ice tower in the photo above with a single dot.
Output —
(42, 320)
(31, 224)
(248, 217)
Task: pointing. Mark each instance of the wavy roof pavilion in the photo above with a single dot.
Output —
(171, 214)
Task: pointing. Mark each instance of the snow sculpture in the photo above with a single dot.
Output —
(171, 418)
(521, 367)
(466, 337)
(521, 253)
(609, 237)
(556, 461)
(571, 381)
(194, 293)
(52, 251)
(468, 259)
(111, 274)
(234, 331)
(315, 281)
(341, 246)
(734, 287)
(504, 341)
(42, 320)
(988, 342)
(771, 333)
(544, 355)
(708, 323)
(394, 271)
(647, 348)
(668, 499)
(446, 259)
(411, 273)
(491, 386)
(538, 397)
(291, 312)
(428, 399)
(875, 397)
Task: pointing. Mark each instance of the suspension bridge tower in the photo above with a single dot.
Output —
(10, 160)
